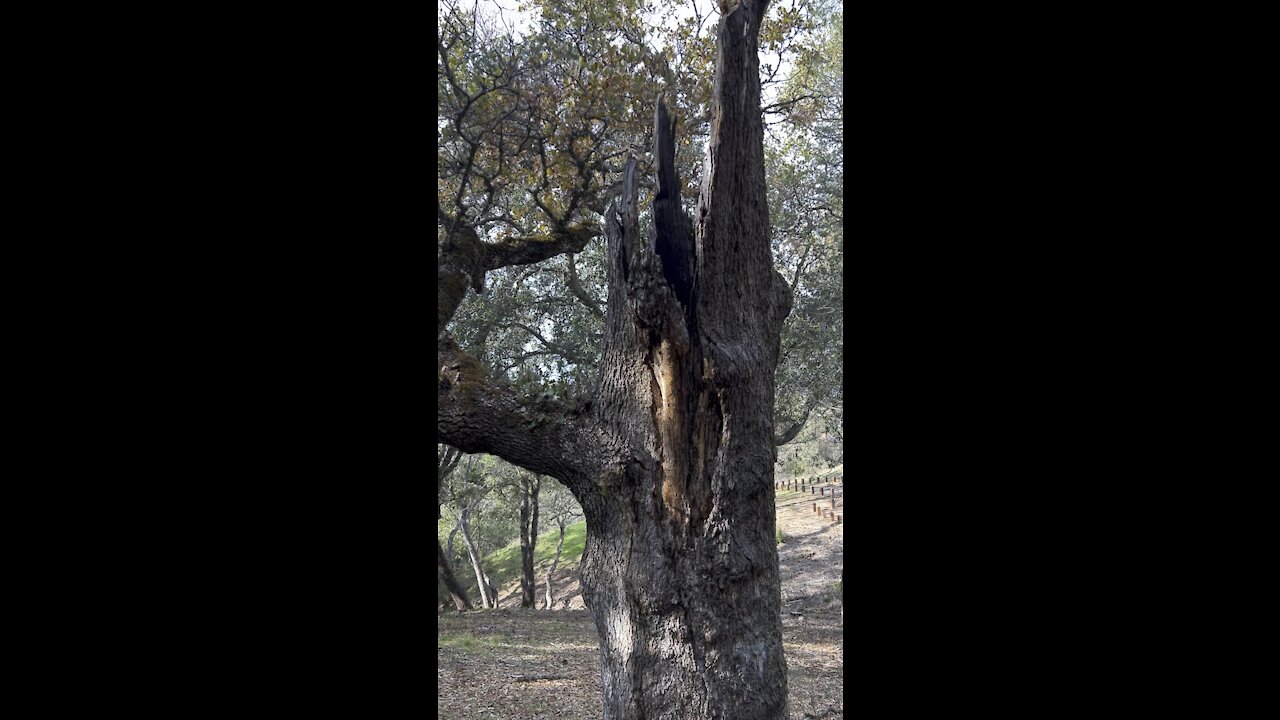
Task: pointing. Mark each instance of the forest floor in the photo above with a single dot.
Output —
(512, 664)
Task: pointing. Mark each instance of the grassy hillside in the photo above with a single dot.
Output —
(503, 565)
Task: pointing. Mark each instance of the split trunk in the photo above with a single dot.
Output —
(673, 459)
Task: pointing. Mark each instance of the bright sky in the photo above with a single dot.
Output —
(520, 22)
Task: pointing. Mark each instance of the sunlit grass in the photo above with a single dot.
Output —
(503, 565)
(464, 642)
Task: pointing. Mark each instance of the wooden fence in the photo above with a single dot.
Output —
(828, 489)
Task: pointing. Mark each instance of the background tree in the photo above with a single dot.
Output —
(468, 495)
(805, 165)
(446, 461)
(529, 486)
(561, 509)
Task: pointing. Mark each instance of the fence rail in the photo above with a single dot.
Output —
(830, 488)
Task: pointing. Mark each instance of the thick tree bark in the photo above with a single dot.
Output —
(529, 487)
(673, 460)
(551, 572)
(680, 568)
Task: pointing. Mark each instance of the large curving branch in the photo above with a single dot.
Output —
(480, 414)
(794, 428)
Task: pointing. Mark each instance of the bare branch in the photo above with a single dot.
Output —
(553, 348)
(783, 104)
(575, 287)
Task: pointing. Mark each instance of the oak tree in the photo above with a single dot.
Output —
(672, 457)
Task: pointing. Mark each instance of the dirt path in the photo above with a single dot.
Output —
(515, 664)
(539, 665)
(812, 556)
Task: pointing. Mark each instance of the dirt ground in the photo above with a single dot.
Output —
(811, 557)
(512, 664)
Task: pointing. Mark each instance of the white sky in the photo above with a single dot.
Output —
(508, 12)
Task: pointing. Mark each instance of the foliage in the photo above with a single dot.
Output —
(533, 133)
(503, 565)
(805, 171)
(494, 522)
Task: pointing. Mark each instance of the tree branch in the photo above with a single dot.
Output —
(779, 106)
(478, 414)
(791, 432)
(446, 460)
(528, 249)
(465, 258)
(575, 287)
(553, 348)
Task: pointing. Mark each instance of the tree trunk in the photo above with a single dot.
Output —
(448, 460)
(529, 488)
(487, 599)
(493, 592)
(554, 562)
(680, 568)
(673, 459)
(448, 548)
(445, 574)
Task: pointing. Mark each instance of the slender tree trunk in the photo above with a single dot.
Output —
(529, 488)
(447, 461)
(482, 581)
(445, 574)
(555, 561)
(673, 459)
(448, 549)
(493, 592)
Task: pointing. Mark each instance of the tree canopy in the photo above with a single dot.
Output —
(534, 129)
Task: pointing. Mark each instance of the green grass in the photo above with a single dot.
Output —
(779, 536)
(503, 565)
(466, 642)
